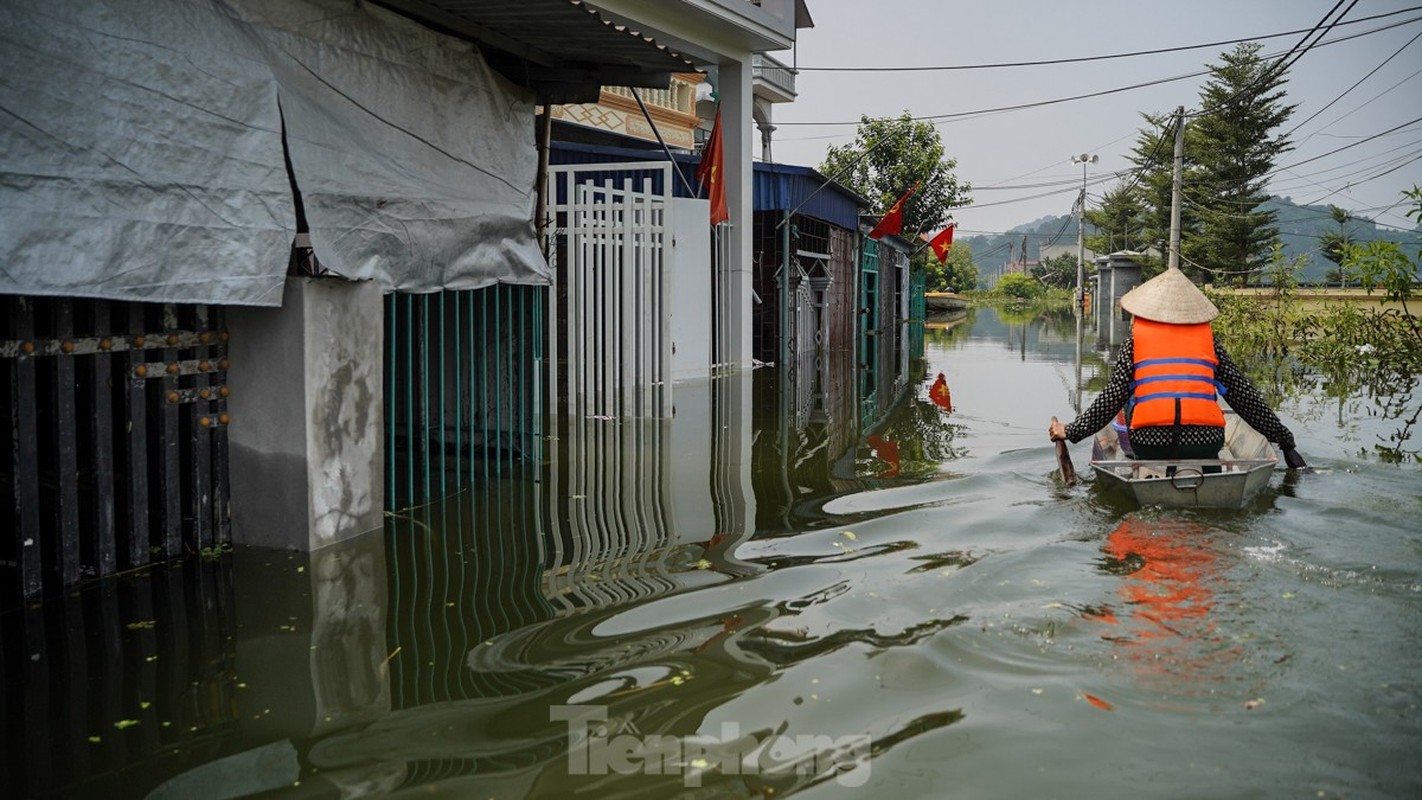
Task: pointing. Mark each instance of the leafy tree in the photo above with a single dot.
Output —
(1119, 222)
(1229, 152)
(1019, 286)
(1234, 152)
(1058, 271)
(957, 274)
(887, 157)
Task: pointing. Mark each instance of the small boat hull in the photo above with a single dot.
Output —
(1185, 483)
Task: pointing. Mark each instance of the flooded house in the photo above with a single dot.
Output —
(420, 300)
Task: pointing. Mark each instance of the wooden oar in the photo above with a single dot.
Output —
(1064, 461)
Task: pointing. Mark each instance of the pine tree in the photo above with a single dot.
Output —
(1232, 153)
(1153, 156)
(1119, 222)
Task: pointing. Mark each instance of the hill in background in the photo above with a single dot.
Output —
(1299, 229)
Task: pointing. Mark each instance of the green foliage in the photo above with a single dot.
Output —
(1019, 286)
(1332, 243)
(1233, 154)
(1229, 154)
(1058, 272)
(887, 157)
(1119, 223)
(957, 274)
(1350, 351)
(1263, 326)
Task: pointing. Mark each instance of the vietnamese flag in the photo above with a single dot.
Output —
(711, 172)
(893, 222)
(942, 242)
(940, 395)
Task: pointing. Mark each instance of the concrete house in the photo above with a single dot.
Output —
(273, 267)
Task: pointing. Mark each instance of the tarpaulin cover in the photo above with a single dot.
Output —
(141, 154)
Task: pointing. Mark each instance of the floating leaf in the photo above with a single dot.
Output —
(1096, 701)
(850, 534)
(125, 723)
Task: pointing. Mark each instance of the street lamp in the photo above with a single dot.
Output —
(1083, 160)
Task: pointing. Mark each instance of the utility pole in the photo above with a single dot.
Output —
(1174, 260)
(1083, 160)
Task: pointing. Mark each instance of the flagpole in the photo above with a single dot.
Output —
(665, 149)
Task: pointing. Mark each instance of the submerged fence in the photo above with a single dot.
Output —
(116, 419)
(463, 389)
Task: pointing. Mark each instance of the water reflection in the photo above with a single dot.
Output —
(757, 604)
(1166, 617)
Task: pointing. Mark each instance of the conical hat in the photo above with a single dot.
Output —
(1170, 297)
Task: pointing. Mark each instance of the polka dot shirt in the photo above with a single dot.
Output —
(1239, 394)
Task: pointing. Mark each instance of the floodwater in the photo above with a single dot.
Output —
(844, 594)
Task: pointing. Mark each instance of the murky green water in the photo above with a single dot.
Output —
(721, 608)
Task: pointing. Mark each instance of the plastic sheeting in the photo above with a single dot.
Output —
(141, 154)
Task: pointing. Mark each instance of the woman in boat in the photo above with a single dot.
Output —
(1166, 377)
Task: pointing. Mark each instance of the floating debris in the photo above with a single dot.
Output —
(1096, 701)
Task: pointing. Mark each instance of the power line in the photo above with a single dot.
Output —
(1083, 59)
(1345, 93)
(1394, 129)
(936, 118)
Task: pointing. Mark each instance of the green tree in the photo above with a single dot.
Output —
(1119, 222)
(957, 274)
(1234, 150)
(1058, 272)
(1334, 244)
(1019, 286)
(887, 157)
(1153, 155)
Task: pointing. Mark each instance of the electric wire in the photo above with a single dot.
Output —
(1345, 93)
(1106, 57)
(954, 116)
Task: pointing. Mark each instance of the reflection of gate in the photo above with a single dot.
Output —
(611, 338)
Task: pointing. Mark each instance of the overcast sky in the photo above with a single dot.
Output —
(1030, 147)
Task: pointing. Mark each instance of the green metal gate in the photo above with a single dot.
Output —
(463, 389)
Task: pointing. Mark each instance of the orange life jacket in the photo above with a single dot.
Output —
(1173, 382)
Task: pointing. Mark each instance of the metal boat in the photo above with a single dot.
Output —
(1244, 467)
(1187, 482)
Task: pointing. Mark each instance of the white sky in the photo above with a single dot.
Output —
(1035, 146)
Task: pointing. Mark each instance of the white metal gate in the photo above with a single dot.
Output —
(610, 251)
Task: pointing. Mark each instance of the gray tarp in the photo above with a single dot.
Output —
(141, 157)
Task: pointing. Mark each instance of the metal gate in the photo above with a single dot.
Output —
(116, 416)
(610, 330)
(463, 389)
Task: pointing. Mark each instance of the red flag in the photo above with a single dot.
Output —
(893, 222)
(942, 242)
(940, 395)
(711, 172)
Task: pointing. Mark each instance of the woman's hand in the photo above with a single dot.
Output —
(1056, 431)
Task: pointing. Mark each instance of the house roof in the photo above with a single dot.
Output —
(777, 187)
(803, 190)
(563, 50)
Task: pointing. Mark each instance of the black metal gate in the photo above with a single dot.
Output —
(115, 416)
